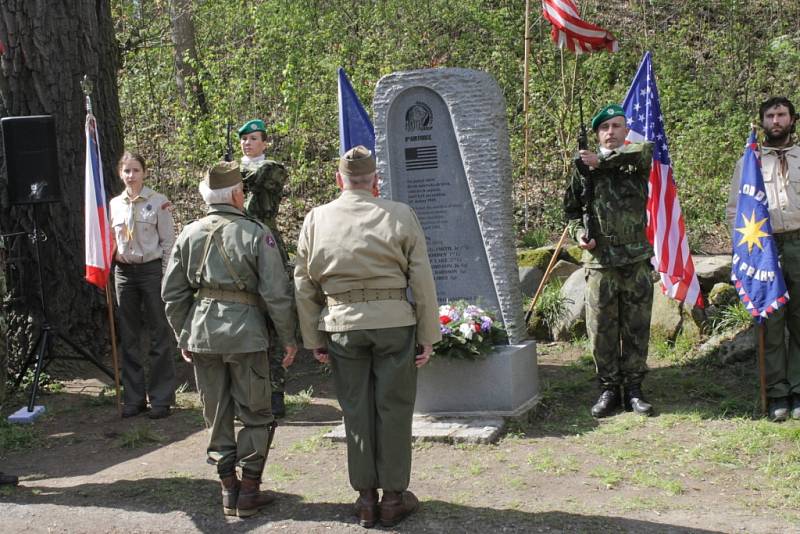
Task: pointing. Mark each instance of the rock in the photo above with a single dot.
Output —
(572, 253)
(573, 293)
(667, 317)
(539, 257)
(736, 346)
(712, 270)
(563, 270)
(723, 294)
(529, 280)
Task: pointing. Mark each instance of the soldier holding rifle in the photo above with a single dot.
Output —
(605, 206)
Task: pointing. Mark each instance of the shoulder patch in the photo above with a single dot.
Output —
(270, 240)
(167, 206)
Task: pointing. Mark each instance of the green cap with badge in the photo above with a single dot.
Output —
(255, 125)
(608, 112)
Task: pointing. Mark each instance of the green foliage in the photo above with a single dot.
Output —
(538, 237)
(299, 401)
(16, 437)
(733, 317)
(551, 307)
(139, 436)
(277, 60)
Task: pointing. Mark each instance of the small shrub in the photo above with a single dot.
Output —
(551, 307)
(535, 238)
(734, 317)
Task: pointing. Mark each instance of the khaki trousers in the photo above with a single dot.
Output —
(376, 384)
(235, 384)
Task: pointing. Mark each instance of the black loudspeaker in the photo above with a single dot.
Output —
(31, 159)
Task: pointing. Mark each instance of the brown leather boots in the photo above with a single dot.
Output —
(393, 508)
(243, 498)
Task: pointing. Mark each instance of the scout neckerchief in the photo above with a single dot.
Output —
(130, 220)
(783, 165)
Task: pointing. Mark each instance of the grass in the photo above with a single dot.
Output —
(299, 401)
(733, 317)
(611, 478)
(139, 436)
(547, 462)
(17, 437)
(312, 444)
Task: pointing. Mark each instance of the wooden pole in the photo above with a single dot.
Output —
(113, 332)
(526, 176)
(546, 274)
(762, 365)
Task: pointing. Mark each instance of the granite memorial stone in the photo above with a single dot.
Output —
(442, 147)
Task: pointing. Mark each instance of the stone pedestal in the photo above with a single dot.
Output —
(506, 383)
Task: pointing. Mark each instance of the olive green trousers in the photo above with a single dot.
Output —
(376, 384)
(236, 384)
(782, 359)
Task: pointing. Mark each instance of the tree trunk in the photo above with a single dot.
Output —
(186, 76)
(48, 46)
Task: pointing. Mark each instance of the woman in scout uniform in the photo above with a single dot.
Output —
(144, 234)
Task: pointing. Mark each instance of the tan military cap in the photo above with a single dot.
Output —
(223, 174)
(358, 161)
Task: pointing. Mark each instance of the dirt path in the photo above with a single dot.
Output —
(702, 465)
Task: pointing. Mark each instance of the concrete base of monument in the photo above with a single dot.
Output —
(477, 430)
(504, 384)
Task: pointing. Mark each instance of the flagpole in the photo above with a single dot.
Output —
(86, 86)
(113, 333)
(762, 366)
(525, 75)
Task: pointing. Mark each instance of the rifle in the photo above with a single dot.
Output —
(587, 197)
(229, 149)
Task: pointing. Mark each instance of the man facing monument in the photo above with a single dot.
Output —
(263, 190)
(612, 190)
(356, 258)
(225, 271)
(780, 166)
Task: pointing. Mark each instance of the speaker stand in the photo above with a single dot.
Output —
(42, 348)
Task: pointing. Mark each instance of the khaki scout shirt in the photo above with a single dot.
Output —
(783, 191)
(153, 232)
(217, 326)
(362, 242)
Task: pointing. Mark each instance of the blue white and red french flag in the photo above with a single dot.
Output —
(98, 242)
(755, 269)
(355, 128)
(665, 226)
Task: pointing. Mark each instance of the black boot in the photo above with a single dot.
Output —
(8, 480)
(635, 401)
(278, 404)
(608, 402)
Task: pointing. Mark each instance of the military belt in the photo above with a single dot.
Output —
(615, 240)
(366, 295)
(241, 297)
(791, 235)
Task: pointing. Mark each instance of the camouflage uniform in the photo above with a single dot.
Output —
(263, 188)
(619, 291)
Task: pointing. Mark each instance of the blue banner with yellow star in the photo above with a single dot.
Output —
(755, 271)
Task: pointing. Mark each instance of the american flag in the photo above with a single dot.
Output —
(99, 245)
(571, 31)
(665, 227)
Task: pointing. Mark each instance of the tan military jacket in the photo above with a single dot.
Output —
(217, 326)
(783, 191)
(154, 230)
(362, 242)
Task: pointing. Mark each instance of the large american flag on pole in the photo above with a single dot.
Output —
(572, 32)
(98, 243)
(665, 226)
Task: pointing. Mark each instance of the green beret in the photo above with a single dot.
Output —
(223, 174)
(608, 112)
(358, 161)
(255, 125)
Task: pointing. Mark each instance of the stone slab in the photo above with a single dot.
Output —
(504, 384)
(477, 430)
(441, 144)
(24, 417)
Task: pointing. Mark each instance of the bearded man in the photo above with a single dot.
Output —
(780, 165)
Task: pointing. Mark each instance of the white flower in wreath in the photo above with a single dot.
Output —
(466, 330)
